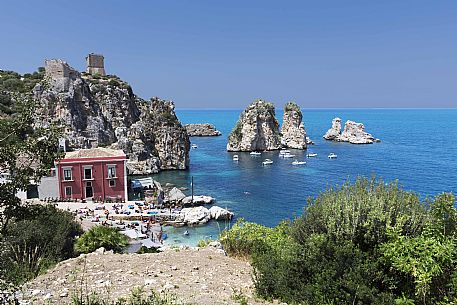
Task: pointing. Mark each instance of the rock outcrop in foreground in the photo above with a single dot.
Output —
(293, 129)
(202, 130)
(103, 111)
(353, 133)
(256, 130)
(196, 276)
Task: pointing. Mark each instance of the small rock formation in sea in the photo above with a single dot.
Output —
(200, 215)
(256, 130)
(293, 129)
(202, 130)
(102, 110)
(353, 133)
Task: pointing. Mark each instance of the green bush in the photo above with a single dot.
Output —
(101, 236)
(35, 241)
(361, 243)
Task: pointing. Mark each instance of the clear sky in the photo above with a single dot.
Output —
(224, 54)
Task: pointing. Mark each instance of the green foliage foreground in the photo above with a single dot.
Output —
(362, 243)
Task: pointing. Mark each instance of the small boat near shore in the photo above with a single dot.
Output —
(194, 146)
(288, 155)
(267, 162)
(332, 156)
(235, 158)
(296, 162)
(255, 153)
(311, 155)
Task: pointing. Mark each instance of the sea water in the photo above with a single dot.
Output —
(418, 148)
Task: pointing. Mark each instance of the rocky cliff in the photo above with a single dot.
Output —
(257, 129)
(293, 129)
(104, 111)
(353, 133)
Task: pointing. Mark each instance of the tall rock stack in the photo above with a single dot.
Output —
(256, 130)
(293, 129)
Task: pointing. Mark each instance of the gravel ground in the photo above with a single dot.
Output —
(197, 276)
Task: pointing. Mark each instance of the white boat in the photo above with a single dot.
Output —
(194, 146)
(332, 156)
(267, 162)
(288, 156)
(296, 162)
(235, 158)
(310, 155)
(284, 152)
(255, 153)
(186, 232)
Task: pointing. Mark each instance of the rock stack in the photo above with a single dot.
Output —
(293, 129)
(353, 133)
(256, 130)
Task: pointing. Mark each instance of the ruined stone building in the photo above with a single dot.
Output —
(95, 64)
(60, 73)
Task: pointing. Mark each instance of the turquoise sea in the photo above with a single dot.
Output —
(419, 148)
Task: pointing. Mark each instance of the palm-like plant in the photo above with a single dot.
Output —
(100, 236)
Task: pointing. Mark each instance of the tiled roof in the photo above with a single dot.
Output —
(98, 152)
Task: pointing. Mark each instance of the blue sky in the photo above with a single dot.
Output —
(224, 54)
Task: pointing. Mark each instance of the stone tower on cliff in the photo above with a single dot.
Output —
(95, 64)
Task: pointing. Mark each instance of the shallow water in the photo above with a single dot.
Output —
(419, 148)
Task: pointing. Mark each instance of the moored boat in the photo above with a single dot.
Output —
(332, 156)
(267, 162)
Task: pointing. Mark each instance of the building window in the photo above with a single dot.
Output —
(68, 191)
(111, 171)
(67, 174)
(88, 173)
(112, 183)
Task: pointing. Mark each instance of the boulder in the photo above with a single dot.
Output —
(198, 200)
(202, 130)
(175, 195)
(256, 130)
(219, 213)
(293, 129)
(194, 216)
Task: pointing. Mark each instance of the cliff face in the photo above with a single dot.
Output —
(257, 129)
(104, 111)
(293, 129)
(353, 133)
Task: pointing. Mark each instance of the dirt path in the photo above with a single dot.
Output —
(201, 276)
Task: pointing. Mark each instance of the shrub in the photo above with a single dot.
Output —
(361, 243)
(101, 236)
(39, 238)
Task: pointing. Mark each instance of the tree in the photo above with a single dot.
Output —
(28, 149)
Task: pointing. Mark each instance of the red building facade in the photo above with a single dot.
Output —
(98, 173)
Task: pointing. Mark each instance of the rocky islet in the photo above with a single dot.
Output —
(353, 133)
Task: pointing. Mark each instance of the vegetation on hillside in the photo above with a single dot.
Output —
(362, 243)
(12, 82)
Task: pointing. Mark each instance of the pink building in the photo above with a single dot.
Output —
(98, 173)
